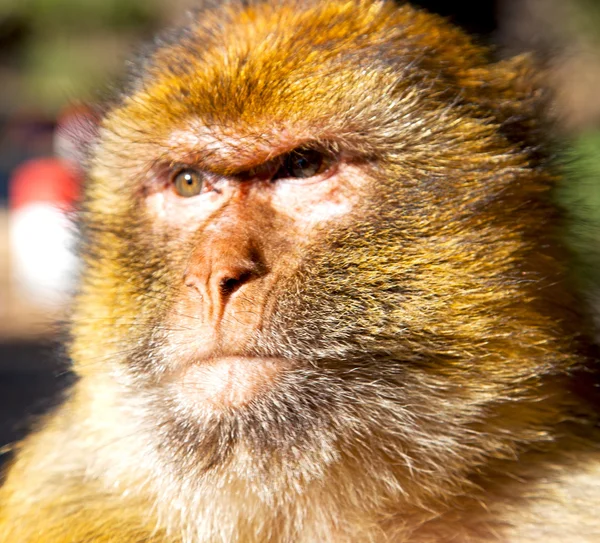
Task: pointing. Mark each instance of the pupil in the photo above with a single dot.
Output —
(304, 163)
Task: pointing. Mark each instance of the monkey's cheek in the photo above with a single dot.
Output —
(229, 382)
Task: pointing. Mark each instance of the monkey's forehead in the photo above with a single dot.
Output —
(256, 79)
(295, 62)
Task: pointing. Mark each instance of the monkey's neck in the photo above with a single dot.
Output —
(347, 502)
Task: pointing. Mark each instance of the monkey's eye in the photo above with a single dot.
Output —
(303, 163)
(187, 183)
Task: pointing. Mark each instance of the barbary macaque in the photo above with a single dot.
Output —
(324, 298)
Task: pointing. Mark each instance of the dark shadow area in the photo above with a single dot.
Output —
(480, 18)
(32, 381)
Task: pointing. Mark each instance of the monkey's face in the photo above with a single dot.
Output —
(308, 231)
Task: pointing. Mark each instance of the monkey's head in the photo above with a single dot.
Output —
(318, 239)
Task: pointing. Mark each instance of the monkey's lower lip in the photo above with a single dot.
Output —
(231, 381)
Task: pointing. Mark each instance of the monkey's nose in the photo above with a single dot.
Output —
(220, 270)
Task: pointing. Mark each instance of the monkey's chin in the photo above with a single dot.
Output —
(230, 382)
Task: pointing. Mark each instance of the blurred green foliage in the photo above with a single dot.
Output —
(586, 166)
(579, 193)
(587, 18)
(57, 51)
(49, 16)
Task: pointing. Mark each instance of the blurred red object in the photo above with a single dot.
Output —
(49, 180)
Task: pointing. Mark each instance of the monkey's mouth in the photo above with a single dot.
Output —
(230, 381)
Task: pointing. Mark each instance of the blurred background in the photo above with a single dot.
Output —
(58, 55)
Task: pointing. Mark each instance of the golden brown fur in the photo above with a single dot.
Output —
(442, 387)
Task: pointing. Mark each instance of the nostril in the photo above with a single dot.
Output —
(229, 285)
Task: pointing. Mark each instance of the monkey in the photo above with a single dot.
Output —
(324, 298)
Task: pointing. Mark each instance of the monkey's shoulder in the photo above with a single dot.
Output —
(58, 490)
(560, 505)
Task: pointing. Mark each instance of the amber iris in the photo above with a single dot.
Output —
(187, 183)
